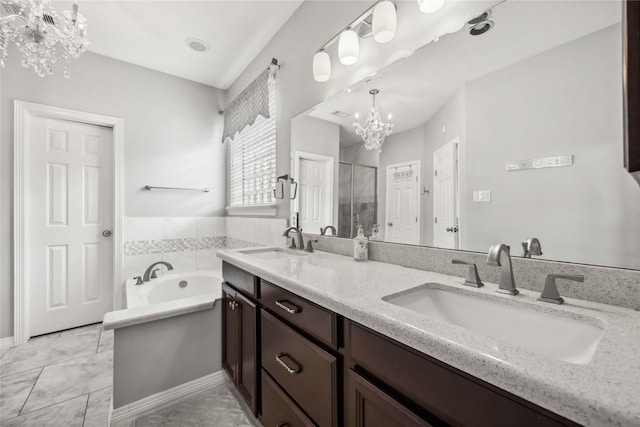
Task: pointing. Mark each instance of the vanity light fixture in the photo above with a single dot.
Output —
(321, 66)
(348, 47)
(430, 6)
(374, 130)
(379, 21)
(384, 21)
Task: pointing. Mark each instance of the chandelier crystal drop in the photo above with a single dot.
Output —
(374, 130)
(41, 34)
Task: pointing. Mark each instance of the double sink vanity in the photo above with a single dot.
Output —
(316, 339)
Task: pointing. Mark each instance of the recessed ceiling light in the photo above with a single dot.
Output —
(197, 45)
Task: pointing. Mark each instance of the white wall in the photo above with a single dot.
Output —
(544, 106)
(171, 138)
(359, 155)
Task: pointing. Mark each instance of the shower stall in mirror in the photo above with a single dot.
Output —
(357, 198)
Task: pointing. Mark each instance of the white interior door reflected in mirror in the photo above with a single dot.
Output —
(315, 201)
(446, 197)
(403, 203)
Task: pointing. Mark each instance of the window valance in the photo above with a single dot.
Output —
(243, 111)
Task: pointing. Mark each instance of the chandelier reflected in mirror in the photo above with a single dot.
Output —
(374, 130)
(41, 34)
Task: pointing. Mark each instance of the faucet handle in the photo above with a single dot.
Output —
(292, 245)
(154, 275)
(550, 291)
(309, 247)
(138, 280)
(473, 278)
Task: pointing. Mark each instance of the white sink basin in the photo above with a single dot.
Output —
(563, 338)
(271, 254)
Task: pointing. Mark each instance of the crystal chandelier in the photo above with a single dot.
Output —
(374, 130)
(41, 34)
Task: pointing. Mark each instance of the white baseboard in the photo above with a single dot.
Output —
(6, 343)
(126, 414)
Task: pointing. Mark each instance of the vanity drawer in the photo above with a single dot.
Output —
(240, 279)
(305, 371)
(311, 318)
(278, 409)
(451, 395)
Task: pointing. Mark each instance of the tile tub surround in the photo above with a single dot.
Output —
(190, 243)
(606, 285)
(603, 392)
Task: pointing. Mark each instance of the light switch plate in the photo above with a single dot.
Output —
(482, 196)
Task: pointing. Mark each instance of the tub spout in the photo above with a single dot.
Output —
(149, 270)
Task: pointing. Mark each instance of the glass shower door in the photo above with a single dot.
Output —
(357, 199)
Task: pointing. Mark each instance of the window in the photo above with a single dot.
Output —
(252, 169)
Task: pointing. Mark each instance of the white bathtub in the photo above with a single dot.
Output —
(171, 287)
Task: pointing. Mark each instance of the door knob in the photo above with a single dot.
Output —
(390, 224)
(106, 233)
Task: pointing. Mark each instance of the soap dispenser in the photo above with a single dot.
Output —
(360, 246)
(375, 232)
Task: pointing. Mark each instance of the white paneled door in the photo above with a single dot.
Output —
(315, 205)
(445, 197)
(403, 203)
(71, 205)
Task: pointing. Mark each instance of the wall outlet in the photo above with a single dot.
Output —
(482, 196)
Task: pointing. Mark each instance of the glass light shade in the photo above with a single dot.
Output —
(384, 22)
(321, 66)
(430, 6)
(348, 47)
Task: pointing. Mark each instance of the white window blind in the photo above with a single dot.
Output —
(253, 160)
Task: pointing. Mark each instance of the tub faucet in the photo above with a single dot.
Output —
(147, 273)
(323, 231)
(499, 256)
(298, 232)
(531, 246)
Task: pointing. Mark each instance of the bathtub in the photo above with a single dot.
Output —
(175, 286)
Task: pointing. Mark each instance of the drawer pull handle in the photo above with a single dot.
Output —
(289, 369)
(291, 309)
(282, 425)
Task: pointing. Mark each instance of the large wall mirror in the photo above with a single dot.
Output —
(499, 137)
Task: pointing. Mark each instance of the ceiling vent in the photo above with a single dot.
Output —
(341, 114)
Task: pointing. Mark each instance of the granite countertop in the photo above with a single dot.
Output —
(603, 392)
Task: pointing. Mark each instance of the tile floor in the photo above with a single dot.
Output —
(60, 379)
(64, 379)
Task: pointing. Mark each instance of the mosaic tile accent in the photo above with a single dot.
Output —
(145, 247)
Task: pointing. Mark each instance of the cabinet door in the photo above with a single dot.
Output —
(368, 406)
(247, 372)
(230, 333)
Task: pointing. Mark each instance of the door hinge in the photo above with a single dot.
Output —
(435, 220)
(436, 172)
(416, 219)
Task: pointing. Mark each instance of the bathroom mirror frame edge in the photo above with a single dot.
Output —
(631, 89)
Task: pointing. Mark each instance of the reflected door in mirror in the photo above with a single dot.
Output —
(445, 197)
(403, 221)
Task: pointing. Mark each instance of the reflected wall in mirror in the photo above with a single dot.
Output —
(512, 134)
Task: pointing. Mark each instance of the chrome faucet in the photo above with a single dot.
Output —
(323, 231)
(531, 246)
(299, 233)
(150, 270)
(499, 256)
(550, 292)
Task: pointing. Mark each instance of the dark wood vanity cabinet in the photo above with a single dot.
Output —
(297, 364)
(240, 342)
(437, 393)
